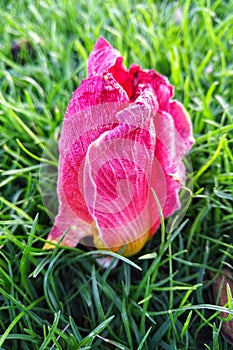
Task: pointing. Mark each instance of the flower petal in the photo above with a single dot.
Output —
(126, 78)
(93, 91)
(117, 184)
(78, 132)
(163, 90)
(122, 136)
(105, 59)
(183, 126)
(117, 179)
(102, 58)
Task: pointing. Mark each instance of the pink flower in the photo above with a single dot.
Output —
(122, 142)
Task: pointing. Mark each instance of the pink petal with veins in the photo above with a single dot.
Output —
(93, 91)
(102, 58)
(122, 136)
(183, 127)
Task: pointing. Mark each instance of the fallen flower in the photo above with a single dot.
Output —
(122, 136)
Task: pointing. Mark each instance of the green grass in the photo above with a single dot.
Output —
(62, 299)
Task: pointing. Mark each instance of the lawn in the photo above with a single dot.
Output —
(160, 298)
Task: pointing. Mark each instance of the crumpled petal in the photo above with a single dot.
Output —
(117, 172)
(122, 137)
(78, 132)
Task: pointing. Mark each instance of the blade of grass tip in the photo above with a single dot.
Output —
(115, 343)
(51, 331)
(40, 267)
(114, 255)
(229, 297)
(161, 217)
(208, 99)
(60, 335)
(141, 345)
(207, 347)
(75, 329)
(186, 325)
(185, 297)
(90, 337)
(29, 100)
(127, 280)
(215, 338)
(203, 64)
(148, 256)
(49, 256)
(26, 252)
